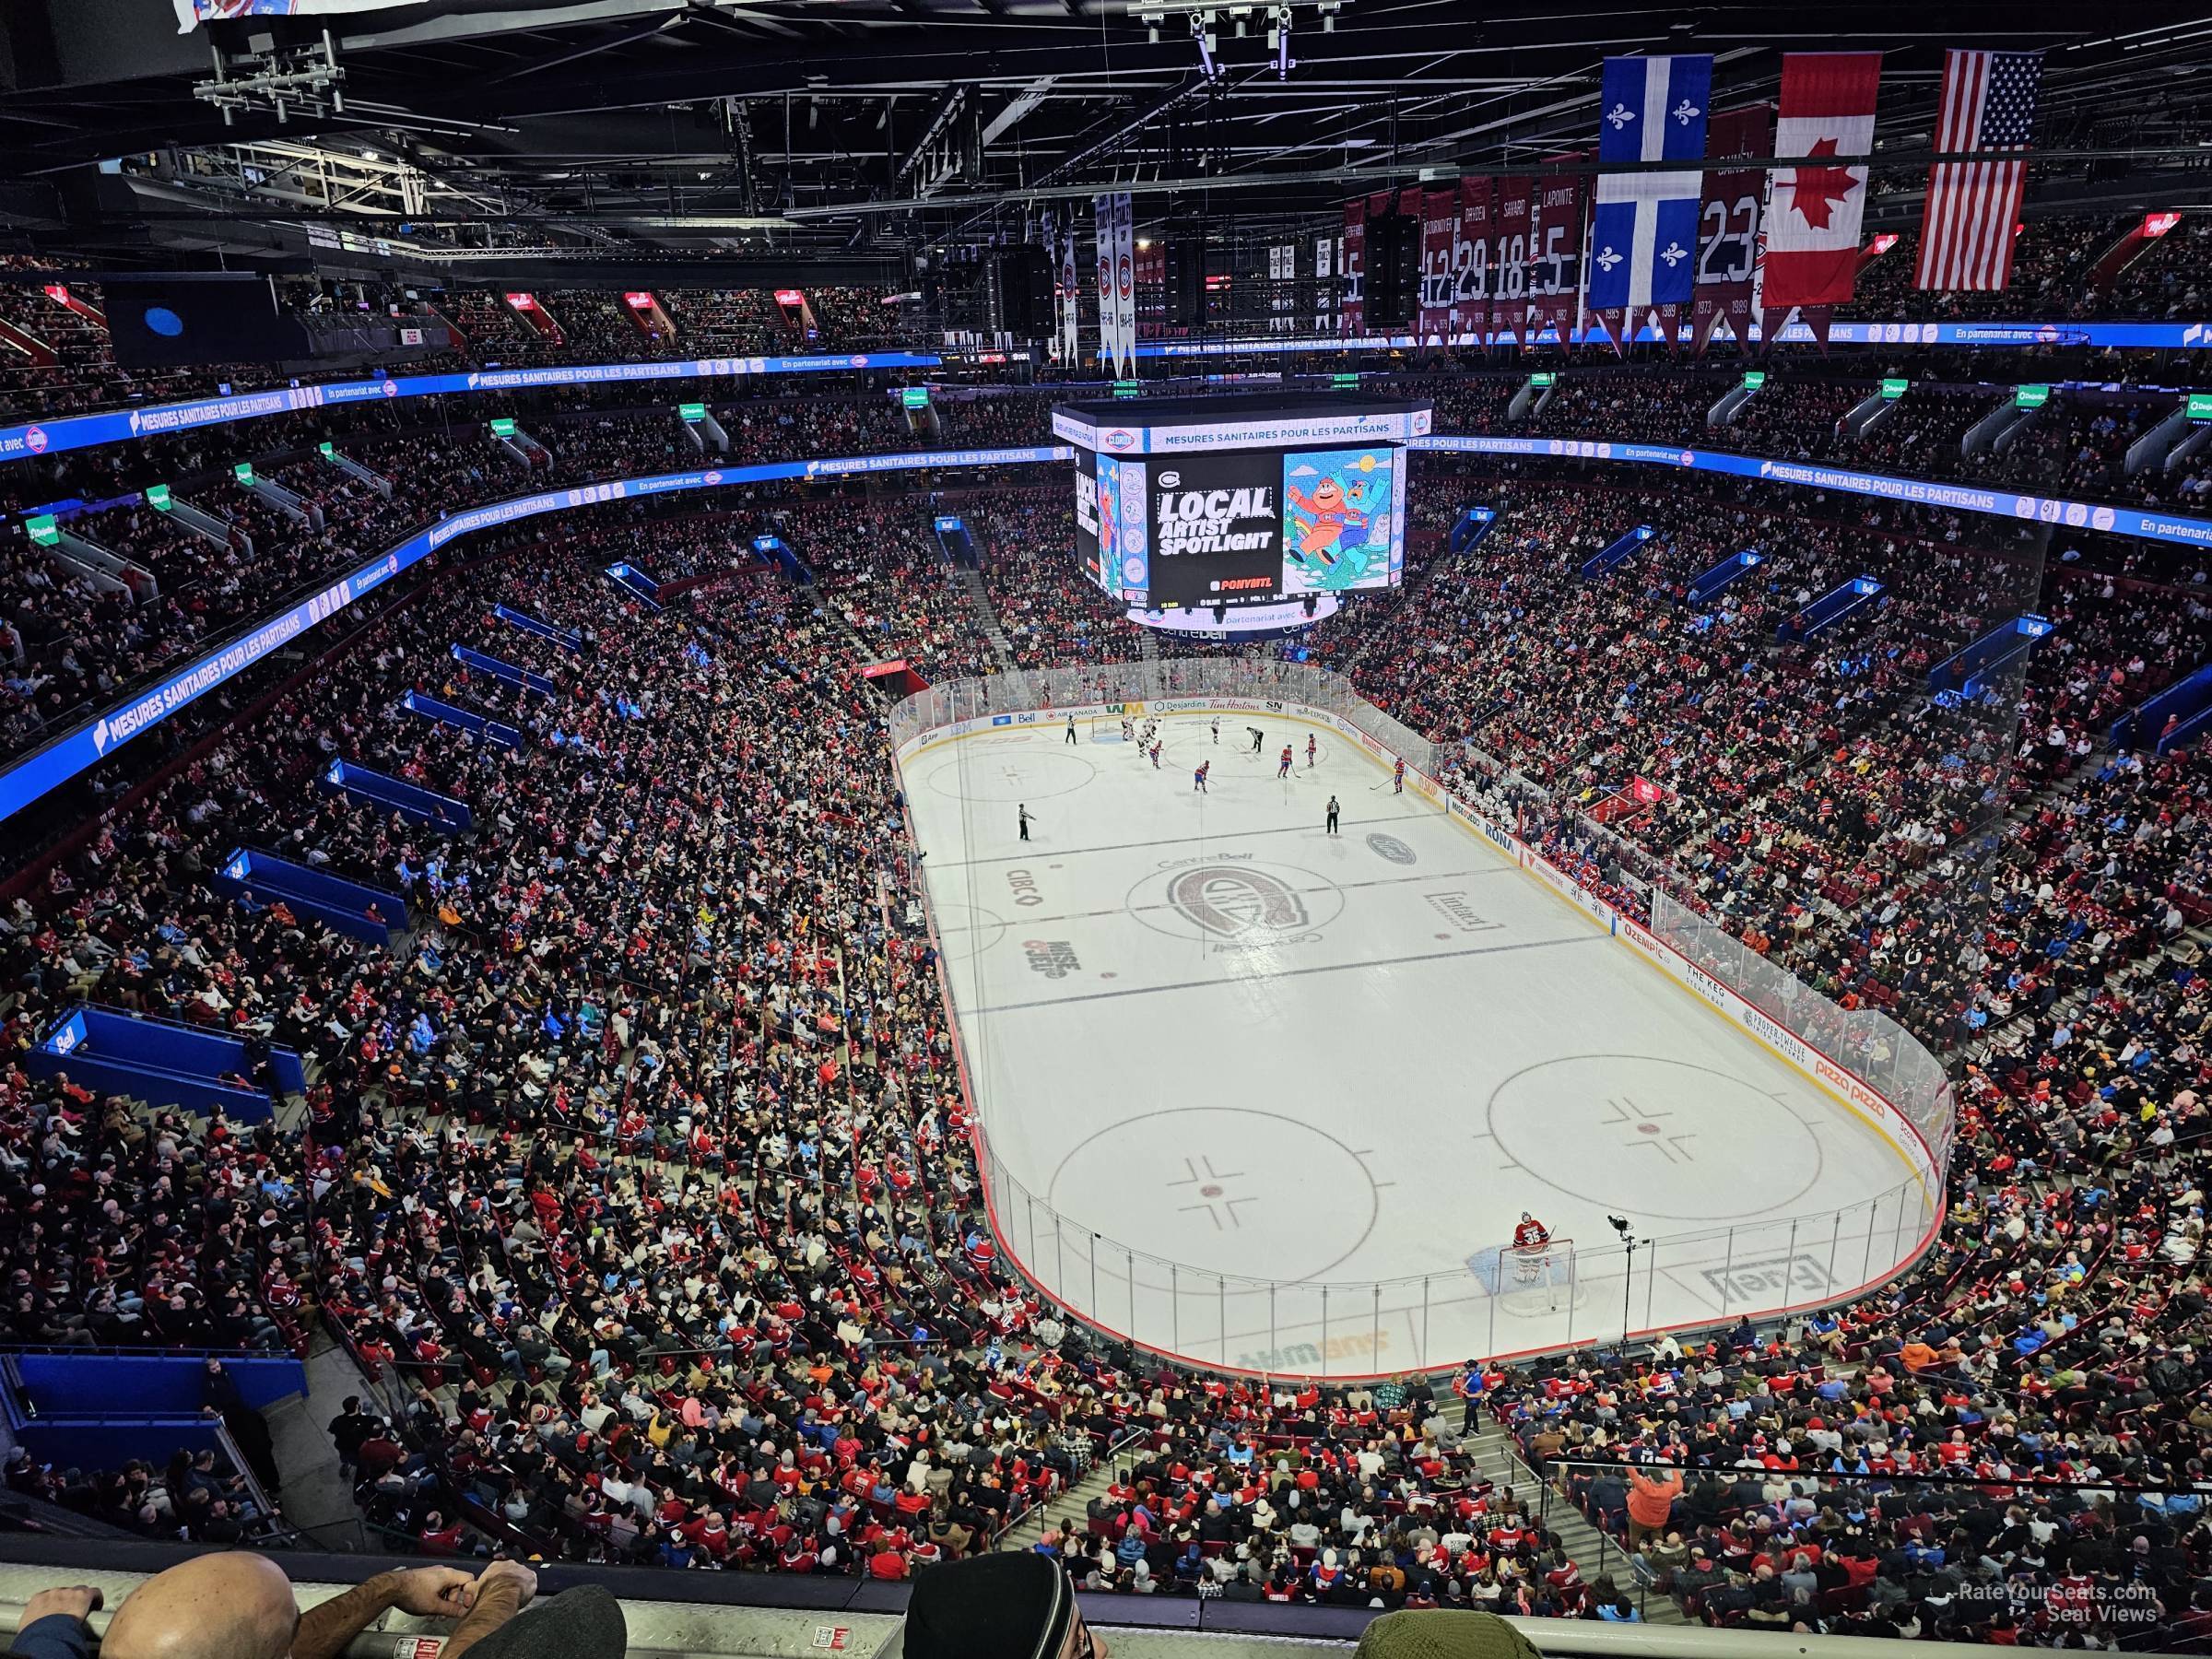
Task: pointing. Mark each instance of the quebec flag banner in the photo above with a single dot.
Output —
(1643, 228)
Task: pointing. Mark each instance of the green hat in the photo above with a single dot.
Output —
(1444, 1633)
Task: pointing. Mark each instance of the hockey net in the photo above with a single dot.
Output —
(1106, 728)
(1540, 1279)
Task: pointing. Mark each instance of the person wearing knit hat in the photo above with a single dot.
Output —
(1444, 1633)
(998, 1606)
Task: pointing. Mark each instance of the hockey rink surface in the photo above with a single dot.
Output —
(1254, 1094)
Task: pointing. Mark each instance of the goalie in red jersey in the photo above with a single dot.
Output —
(1530, 1239)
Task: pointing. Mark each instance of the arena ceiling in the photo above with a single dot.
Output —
(878, 128)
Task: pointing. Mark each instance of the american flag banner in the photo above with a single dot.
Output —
(1966, 229)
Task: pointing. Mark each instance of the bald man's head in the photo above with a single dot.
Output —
(217, 1606)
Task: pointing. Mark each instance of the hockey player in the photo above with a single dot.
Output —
(1128, 730)
(1216, 728)
(1198, 777)
(1530, 1237)
(1397, 777)
(1155, 752)
(1313, 748)
(1283, 771)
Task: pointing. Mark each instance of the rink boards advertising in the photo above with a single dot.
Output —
(1223, 508)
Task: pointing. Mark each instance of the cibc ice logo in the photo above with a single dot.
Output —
(1234, 903)
(1024, 886)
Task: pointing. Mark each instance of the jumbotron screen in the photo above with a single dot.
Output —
(1189, 512)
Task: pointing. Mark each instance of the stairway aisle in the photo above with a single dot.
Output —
(971, 583)
(1498, 1457)
(1071, 1504)
(318, 1498)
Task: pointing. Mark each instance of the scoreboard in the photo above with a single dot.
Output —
(1241, 502)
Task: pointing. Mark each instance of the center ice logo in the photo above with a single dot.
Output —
(1233, 903)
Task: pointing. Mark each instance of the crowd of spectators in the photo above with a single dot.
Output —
(637, 1175)
(66, 647)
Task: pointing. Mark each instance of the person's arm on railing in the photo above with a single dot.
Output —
(53, 1624)
(503, 1591)
(327, 1628)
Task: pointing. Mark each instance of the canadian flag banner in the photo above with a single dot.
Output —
(1813, 221)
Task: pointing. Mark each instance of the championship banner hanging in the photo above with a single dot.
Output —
(1102, 226)
(1124, 285)
(1071, 295)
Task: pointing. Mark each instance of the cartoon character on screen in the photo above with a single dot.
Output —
(1356, 501)
(1110, 530)
(1328, 512)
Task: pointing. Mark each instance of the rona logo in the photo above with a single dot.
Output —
(1233, 903)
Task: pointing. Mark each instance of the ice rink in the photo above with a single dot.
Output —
(1254, 1094)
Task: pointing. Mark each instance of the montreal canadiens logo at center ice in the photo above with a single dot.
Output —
(1206, 521)
(1235, 903)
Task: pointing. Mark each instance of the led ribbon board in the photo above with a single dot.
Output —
(1989, 501)
(75, 751)
(120, 426)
